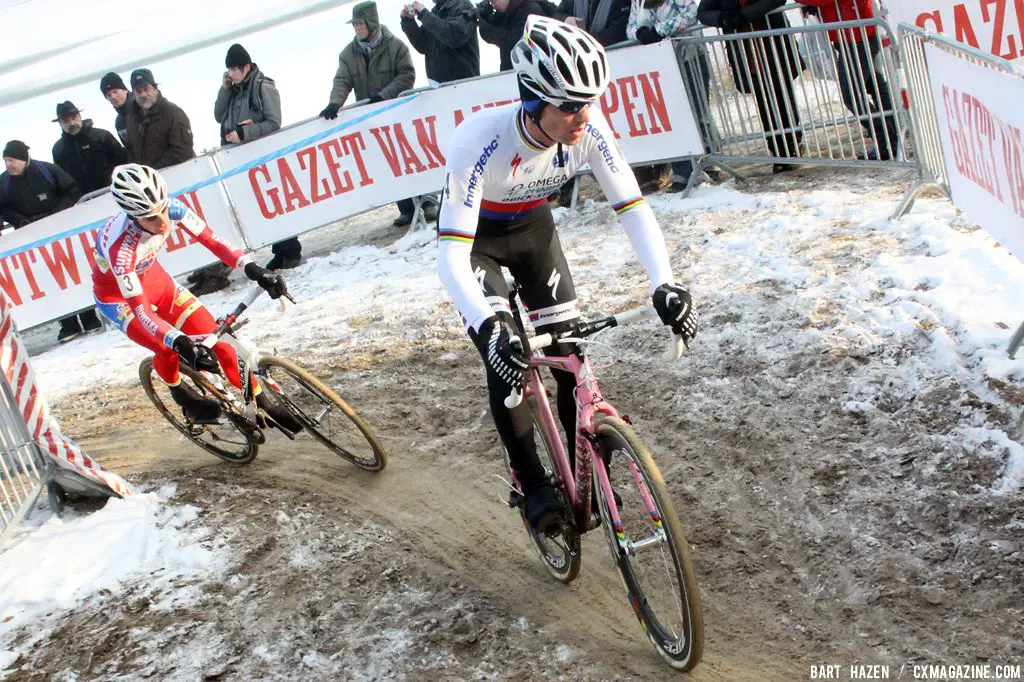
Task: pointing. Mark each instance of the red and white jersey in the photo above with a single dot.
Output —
(124, 251)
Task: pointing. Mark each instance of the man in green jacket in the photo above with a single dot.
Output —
(377, 66)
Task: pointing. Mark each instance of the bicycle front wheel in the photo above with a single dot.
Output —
(649, 547)
(232, 438)
(323, 413)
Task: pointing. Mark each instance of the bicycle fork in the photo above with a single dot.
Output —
(628, 546)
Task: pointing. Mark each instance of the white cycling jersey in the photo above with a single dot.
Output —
(497, 171)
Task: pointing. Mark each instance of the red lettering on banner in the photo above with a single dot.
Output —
(60, 259)
(459, 117)
(390, 155)
(179, 239)
(412, 162)
(355, 145)
(21, 262)
(655, 99)
(7, 282)
(272, 193)
(964, 28)
(292, 193)
(954, 132)
(88, 240)
(609, 105)
(428, 141)
(409, 159)
(192, 201)
(637, 124)
(307, 161)
(934, 17)
(997, 32)
(332, 152)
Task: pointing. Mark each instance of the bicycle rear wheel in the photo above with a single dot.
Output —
(649, 548)
(233, 438)
(560, 550)
(323, 413)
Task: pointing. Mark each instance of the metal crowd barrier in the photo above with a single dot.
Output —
(790, 95)
(23, 469)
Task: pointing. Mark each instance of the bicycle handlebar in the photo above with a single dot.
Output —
(583, 329)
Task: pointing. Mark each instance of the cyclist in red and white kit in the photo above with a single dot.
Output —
(502, 165)
(134, 291)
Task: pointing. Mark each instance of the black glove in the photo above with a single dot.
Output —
(499, 343)
(271, 282)
(330, 111)
(647, 35)
(733, 20)
(375, 97)
(485, 10)
(196, 356)
(675, 308)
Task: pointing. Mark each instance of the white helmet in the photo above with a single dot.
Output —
(559, 63)
(139, 190)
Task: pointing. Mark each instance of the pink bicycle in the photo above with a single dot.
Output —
(643, 531)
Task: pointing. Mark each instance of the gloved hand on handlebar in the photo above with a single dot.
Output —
(675, 308)
(271, 282)
(500, 345)
(196, 356)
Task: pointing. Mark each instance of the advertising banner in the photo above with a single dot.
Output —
(995, 26)
(980, 122)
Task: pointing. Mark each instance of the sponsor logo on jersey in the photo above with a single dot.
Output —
(478, 169)
(560, 161)
(602, 146)
(126, 251)
(516, 160)
(541, 187)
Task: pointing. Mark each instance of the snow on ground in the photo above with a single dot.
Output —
(931, 277)
(57, 563)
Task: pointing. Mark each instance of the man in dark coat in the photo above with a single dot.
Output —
(376, 66)
(502, 23)
(31, 190)
(766, 70)
(159, 132)
(87, 154)
(248, 107)
(446, 36)
(115, 92)
(606, 20)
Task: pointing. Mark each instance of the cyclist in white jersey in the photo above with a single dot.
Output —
(502, 165)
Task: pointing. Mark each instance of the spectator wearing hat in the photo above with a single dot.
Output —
(115, 92)
(376, 66)
(31, 190)
(87, 154)
(248, 107)
(159, 132)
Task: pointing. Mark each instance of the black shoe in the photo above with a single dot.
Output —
(197, 409)
(69, 329)
(543, 507)
(90, 322)
(430, 212)
(783, 168)
(402, 220)
(274, 263)
(289, 263)
(269, 403)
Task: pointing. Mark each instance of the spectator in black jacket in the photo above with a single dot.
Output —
(115, 92)
(87, 154)
(502, 23)
(606, 20)
(446, 36)
(159, 132)
(31, 190)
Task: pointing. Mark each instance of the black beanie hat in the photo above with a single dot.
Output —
(111, 82)
(237, 57)
(16, 149)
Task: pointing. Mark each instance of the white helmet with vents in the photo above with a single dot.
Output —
(139, 190)
(559, 63)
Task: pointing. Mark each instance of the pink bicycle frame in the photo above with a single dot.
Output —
(589, 402)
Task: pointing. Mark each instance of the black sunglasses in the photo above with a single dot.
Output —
(573, 107)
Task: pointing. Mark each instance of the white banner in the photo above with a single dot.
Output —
(995, 26)
(980, 122)
(378, 154)
(399, 152)
(46, 267)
